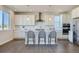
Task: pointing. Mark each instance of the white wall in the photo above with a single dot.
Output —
(7, 35)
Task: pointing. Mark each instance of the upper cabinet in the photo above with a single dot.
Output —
(49, 19)
(24, 20)
(75, 13)
(66, 18)
(30, 19)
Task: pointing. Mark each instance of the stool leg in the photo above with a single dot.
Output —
(50, 41)
(38, 40)
(45, 40)
(34, 41)
(27, 41)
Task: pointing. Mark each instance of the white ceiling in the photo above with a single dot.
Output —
(42, 8)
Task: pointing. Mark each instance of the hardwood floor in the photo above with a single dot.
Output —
(18, 46)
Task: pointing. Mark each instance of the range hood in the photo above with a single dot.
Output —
(39, 18)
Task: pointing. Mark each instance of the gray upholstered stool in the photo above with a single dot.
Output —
(30, 34)
(42, 34)
(52, 34)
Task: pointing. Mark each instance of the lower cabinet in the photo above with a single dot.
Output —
(19, 34)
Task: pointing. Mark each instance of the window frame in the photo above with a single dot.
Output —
(9, 21)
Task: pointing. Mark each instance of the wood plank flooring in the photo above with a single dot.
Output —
(18, 46)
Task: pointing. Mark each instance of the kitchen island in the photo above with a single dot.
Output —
(36, 30)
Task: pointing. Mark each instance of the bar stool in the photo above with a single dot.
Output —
(52, 34)
(41, 34)
(30, 34)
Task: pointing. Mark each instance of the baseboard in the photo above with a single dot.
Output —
(6, 41)
(19, 38)
(63, 39)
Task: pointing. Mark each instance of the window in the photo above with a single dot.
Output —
(0, 20)
(58, 23)
(4, 20)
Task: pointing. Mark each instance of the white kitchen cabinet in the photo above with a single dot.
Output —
(20, 21)
(75, 12)
(71, 36)
(59, 35)
(19, 34)
(24, 20)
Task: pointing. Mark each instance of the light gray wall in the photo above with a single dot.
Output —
(7, 35)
